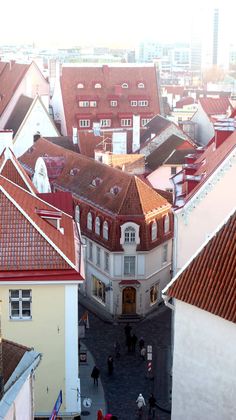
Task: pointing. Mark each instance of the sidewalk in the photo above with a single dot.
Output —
(89, 390)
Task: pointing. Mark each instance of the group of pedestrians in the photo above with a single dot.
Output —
(141, 404)
(131, 340)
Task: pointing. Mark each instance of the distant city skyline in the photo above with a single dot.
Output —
(57, 25)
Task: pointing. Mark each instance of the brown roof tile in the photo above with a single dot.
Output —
(209, 281)
(10, 77)
(12, 354)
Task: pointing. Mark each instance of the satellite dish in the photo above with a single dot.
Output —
(87, 402)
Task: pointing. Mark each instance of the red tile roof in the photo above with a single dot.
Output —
(215, 106)
(110, 77)
(11, 169)
(12, 354)
(186, 100)
(60, 199)
(27, 240)
(209, 281)
(132, 195)
(174, 89)
(10, 77)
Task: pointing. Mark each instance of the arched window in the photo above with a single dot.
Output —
(125, 85)
(80, 86)
(167, 224)
(129, 235)
(154, 231)
(97, 86)
(141, 85)
(89, 221)
(97, 225)
(77, 214)
(105, 230)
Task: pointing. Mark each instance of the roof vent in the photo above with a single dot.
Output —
(74, 171)
(115, 190)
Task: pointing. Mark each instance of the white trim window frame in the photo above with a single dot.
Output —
(129, 265)
(84, 123)
(20, 304)
(83, 104)
(133, 103)
(105, 122)
(125, 122)
(145, 121)
(77, 213)
(89, 221)
(93, 104)
(154, 231)
(130, 235)
(106, 261)
(105, 230)
(114, 104)
(98, 256)
(97, 226)
(166, 224)
(143, 103)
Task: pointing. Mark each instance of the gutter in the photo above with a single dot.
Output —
(167, 302)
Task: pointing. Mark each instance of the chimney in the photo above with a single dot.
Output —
(37, 136)
(75, 135)
(136, 133)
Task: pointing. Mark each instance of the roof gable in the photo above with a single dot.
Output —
(209, 280)
(18, 114)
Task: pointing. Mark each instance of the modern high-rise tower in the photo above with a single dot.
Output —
(215, 36)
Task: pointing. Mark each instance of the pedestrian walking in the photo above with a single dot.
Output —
(152, 405)
(95, 375)
(140, 403)
(127, 329)
(143, 353)
(110, 365)
(117, 349)
(129, 343)
(134, 340)
(141, 343)
(100, 415)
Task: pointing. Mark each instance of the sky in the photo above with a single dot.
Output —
(124, 23)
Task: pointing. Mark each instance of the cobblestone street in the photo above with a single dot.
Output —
(130, 371)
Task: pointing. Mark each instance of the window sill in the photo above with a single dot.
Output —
(20, 319)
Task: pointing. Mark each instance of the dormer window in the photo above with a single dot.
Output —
(97, 225)
(129, 235)
(74, 171)
(77, 214)
(141, 85)
(80, 86)
(115, 190)
(96, 182)
(125, 85)
(154, 231)
(105, 230)
(89, 221)
(167, 223)
(97, 86)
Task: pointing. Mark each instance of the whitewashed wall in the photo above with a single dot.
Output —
(204, 381)
(160, 178)
(205, 130)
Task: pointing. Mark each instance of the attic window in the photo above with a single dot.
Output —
(74, 171)
(96, 182)
(115, 190)
(97, 86)
(80, 86)
(125, 85)
(141, 85)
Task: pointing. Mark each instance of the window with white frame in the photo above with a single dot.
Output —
(106, 261)
(77, 214)
(154, 231)
(164, 253)
(125, 85)
(105, 122)
(99, 289)
(84, 123)
(130, 235)
(166, 223)
(105, 230)
(93, 104)
(97, 225)
(97, 86)
(141, 85)
(173, 170)
(129, 265)
(80, 86)
(142, 103)
(113, 103)
(84, 104)
(20, 304)
(145, 121)
(134, 103)
(125, 122)
(90, 251)
(154, 294)
(98, 256)
(89, 221)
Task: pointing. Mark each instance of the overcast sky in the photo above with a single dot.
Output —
(51, 23)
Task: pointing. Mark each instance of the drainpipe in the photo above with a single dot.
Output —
(167, 303)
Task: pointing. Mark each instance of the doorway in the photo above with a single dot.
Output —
(129, 300)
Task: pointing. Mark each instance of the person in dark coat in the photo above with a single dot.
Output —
(141, 343)
(152, 405)
(95, 375)
(117, 349)
(134, 340)
(110, 365)
(129, 343)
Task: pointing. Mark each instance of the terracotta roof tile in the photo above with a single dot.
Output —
(18, 114)
(131, 195)
(209, 280)
(10, 77)
(12, 354)
(215, 106)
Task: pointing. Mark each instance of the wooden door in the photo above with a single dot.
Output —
(129, 300)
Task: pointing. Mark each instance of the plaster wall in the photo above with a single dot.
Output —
(204, 382)
(160, 178)
(205, 130)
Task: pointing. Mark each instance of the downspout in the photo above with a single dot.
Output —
(167, 303)
(175, 248)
